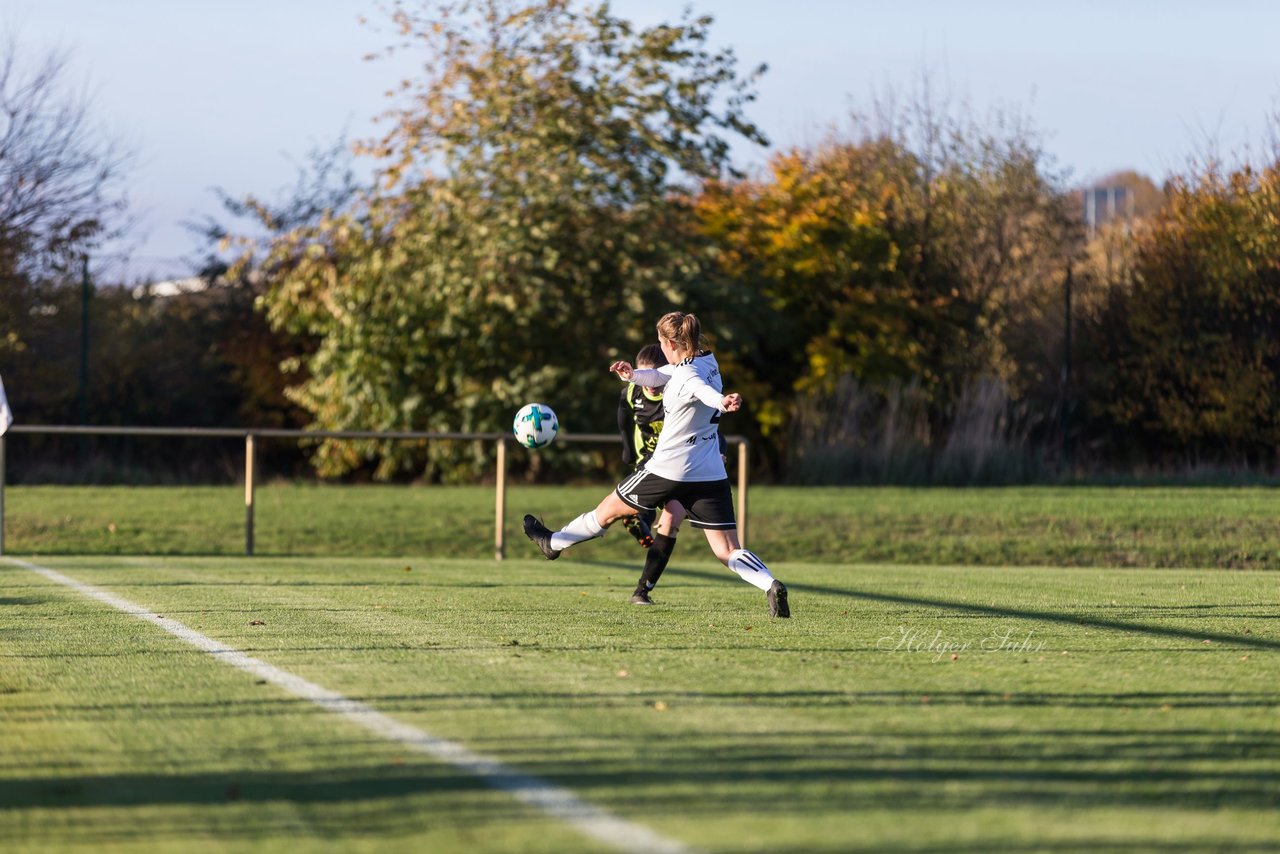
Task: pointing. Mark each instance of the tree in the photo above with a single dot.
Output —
(60, 194)
(1187, 360)
(530, 223)
(59, 177)
(925, 252)
(325, 182)
(813, 242)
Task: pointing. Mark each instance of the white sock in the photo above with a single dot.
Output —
(585, 527)
(750, 568)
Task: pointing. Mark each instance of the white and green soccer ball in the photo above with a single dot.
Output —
(535, 425)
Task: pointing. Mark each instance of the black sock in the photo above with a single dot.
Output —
(656, 561)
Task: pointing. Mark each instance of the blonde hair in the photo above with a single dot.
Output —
(682, 330)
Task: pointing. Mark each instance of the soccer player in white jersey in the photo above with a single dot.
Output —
(686, 465)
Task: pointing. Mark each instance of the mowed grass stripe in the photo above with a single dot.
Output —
(1079, 526)
(557, 802)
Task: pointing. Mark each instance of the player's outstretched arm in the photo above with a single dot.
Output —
(647, 377)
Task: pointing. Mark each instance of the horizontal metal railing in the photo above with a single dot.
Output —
(250, 436)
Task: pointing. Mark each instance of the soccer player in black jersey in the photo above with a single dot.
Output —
(639, 422)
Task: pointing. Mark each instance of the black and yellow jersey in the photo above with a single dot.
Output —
(640, 415)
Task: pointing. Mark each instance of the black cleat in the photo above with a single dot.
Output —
(540, 534)
(777, 597)
(640, 597)
(639, 529)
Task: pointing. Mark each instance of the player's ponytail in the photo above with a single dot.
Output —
(683, 330)
(692, 334)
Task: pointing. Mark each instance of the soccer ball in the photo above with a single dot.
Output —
(535, 425)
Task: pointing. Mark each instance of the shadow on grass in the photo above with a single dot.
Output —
(926, 778)
(974, 610)
(326, 803)
(329, 784)
(731, 701)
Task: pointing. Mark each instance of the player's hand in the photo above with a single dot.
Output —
(731, 402)
(622, 369)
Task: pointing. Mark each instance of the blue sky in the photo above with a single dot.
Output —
(233, 94)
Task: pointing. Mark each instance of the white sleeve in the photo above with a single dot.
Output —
(700, 389)
(649, 377)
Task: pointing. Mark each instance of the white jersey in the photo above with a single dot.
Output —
(689, 444)
(6, 417)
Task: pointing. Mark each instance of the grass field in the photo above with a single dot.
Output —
(903, 708)
(918, 700)
(1060, 526)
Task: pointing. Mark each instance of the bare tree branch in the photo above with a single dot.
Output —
(61, 178)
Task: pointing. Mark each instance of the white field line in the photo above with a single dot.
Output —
(556, 802)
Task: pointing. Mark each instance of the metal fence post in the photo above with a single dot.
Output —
(500, 510)
(248, 494)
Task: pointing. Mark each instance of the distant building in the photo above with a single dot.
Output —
(1106, 204)
(190, 285)
(172, 287)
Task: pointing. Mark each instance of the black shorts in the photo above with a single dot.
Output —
(709, 503)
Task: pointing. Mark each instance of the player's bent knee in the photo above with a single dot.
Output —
(613, 508)
(723, 543)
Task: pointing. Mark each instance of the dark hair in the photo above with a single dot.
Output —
(683, 330)
(651, 354)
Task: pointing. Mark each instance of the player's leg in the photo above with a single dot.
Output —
(588, 526)
(750, 568)
(640, 526)
(664, 543)
(712, 510)
(637, 493)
